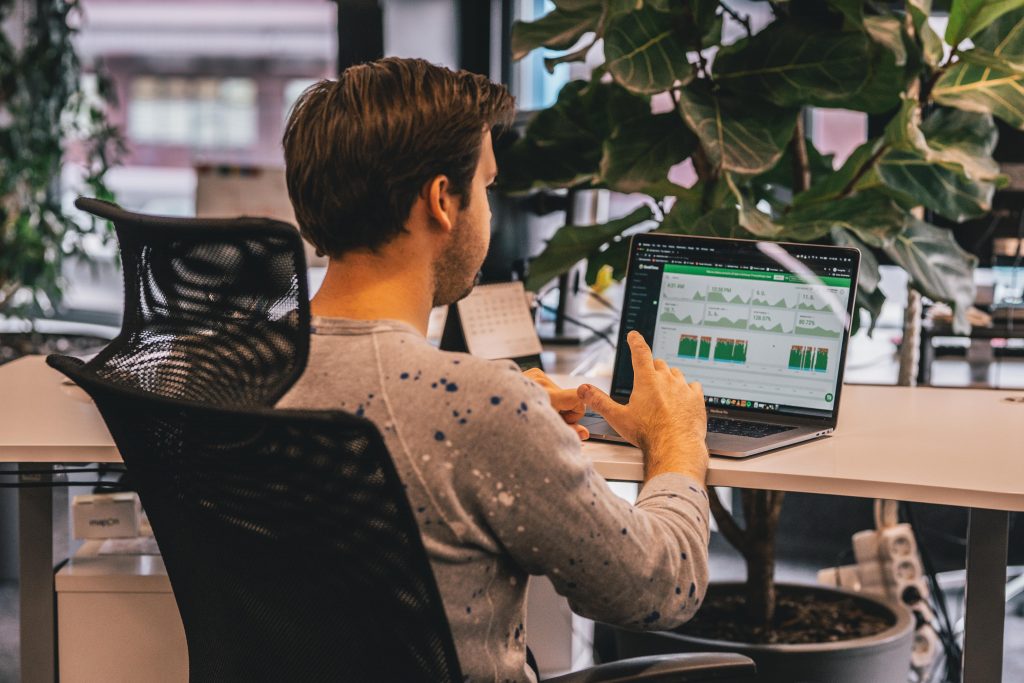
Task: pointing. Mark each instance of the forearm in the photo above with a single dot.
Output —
(659, 576)
(665, 457)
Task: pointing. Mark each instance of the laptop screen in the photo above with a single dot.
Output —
(762, 325)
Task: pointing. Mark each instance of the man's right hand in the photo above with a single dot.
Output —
(665, 416)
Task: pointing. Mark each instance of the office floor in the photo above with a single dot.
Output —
(726, 564)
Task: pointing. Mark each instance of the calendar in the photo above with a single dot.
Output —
(496, 322)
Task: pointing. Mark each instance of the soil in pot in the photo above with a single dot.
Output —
(802, 615)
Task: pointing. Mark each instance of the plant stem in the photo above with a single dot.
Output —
(726, 522)
(801, 164)
(761, 509)
(862, 171)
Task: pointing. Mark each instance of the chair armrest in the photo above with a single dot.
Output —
(724, 667)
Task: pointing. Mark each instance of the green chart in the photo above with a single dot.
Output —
(731, 351)
(808, 358)
(687, 346)
(705, 348)
(691, 346)
(670, 317)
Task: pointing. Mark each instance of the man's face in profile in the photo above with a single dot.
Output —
(455, 272)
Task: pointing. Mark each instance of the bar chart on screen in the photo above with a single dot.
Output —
(741, 335)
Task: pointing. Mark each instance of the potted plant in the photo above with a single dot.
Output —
(670, 88)
(43, 108)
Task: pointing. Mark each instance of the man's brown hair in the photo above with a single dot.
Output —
(358, 150)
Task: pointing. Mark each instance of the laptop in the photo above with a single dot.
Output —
(763, 326)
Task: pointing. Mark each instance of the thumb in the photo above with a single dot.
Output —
(598, 400)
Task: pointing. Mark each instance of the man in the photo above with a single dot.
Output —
(388, 170)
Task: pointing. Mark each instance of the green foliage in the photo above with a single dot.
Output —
(738, 121)
(734, 137)
(967, 17)
(42, 106)
(565, 247)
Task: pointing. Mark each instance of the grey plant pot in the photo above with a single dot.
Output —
(882, 658)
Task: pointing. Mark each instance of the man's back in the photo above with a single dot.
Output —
(500, 490)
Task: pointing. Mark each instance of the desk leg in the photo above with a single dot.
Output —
(35, 550)
(985, 608)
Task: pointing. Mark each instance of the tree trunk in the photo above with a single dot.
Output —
(760, 560)
(761, 509)
(910, 349)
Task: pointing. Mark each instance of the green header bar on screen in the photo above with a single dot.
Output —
(709, 271)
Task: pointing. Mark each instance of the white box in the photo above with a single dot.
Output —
(106, 515)
(117, 620)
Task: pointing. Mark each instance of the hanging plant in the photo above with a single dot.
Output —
(43, 108)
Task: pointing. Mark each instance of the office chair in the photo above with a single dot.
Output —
(291, 548)
(215, 310)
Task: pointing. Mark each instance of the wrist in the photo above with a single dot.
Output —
(686, 457)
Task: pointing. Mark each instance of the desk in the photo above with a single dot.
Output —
(918, 445)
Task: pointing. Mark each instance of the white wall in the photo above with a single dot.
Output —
(421, 28)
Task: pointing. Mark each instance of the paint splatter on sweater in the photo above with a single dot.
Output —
(501, 490)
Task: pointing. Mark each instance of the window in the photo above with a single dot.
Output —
(193, 112)
(292, 90)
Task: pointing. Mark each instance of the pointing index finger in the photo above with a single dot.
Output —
(643, 361)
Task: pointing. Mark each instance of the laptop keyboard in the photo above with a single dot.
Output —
(754, 430)
(718, 425)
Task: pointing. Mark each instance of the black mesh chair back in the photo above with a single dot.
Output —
(215, 310)
(289, 542)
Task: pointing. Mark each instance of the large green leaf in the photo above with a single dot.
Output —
(871, 215)
(637, 156)
(645, 51)
(888, 32)
(935, 186)
(720, 222)
(1004, 37)
(984, 89)
(929, 41)
(937, 266)
(851, 176)
(869, 296)
(791, 64)
(944, 164)
(990, 78)
(736, 137)
(1001, 44)
(524, 167)
(557, 30)
(967, 17)
(562, 145)
(963, 138)
(573, 243)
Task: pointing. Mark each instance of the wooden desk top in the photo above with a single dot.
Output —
(953, 446)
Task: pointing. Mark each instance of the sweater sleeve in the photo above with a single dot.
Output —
(640, 566)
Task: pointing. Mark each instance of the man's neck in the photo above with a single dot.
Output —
(370, 287)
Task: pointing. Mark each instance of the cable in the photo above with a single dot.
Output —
(603, 301)
(946, 634)
(585, 326)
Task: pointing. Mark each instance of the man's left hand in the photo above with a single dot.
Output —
(565, 401)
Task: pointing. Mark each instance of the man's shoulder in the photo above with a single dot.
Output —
(458, 374)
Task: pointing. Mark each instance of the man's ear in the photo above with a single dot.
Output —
(440, 203)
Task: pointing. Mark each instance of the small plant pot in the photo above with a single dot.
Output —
(880, 658)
